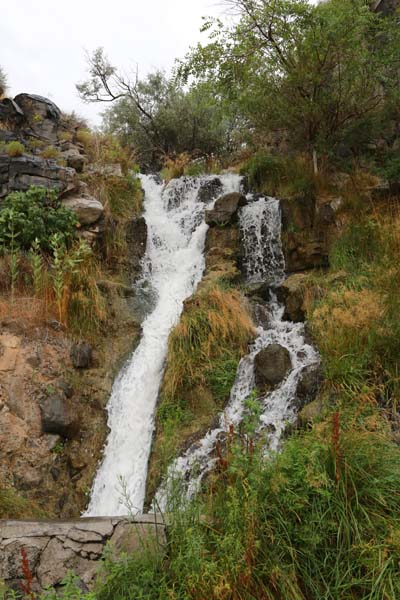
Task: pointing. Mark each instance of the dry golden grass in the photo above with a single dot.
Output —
(213, 320)
(27, 311)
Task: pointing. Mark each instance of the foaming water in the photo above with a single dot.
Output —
(173, 266)
(260, 223)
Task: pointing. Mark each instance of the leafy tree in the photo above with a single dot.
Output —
(314, 70)
(34, 215)
(3, 81)
(157, 115)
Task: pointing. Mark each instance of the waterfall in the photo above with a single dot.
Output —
(260, 223)
(173, 266)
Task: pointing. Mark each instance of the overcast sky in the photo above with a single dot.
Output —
(43, 43)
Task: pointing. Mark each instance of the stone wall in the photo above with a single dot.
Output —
(54, 548)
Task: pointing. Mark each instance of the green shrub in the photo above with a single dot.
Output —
(263, 168)
(15, 149)
(35, 214)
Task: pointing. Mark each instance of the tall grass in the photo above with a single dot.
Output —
(319, 521)
(356, 322)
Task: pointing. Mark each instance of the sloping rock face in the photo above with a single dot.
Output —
(20, 173)
(55, 548)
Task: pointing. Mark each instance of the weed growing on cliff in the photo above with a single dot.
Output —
(15, 149)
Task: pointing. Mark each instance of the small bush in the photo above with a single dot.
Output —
(85, 137)
(263, 168)
(35, 214)
(50, 152)
(15, 149)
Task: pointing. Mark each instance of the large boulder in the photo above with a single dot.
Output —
(58, 415)
(271, 365)
(42, 116)
(87, 209)
(225, 209)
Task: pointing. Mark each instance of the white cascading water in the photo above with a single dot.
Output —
(173, 266)
(260, 223)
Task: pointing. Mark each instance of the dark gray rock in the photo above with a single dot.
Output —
(41, 115)
(225, 209)
(209, 190)
(136, 238)
(308, 386)
(271, 365)
(81, 355)
(11, 113)
(58, 415)
(19, 173)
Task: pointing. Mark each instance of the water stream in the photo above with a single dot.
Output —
(260, 223)
(173, 266)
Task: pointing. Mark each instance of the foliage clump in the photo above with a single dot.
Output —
(31, 215)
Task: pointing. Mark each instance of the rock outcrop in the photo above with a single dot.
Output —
(36, 123)
(20, 173)
(307, 231)
(55, 548)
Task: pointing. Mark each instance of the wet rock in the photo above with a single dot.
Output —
(87, 209)
(271, 365)
(308, 385)
(225, 209)
(81, 355)
(209, 190)
(259, 312)
(58, 415)
(136, 238)
(291, 294)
